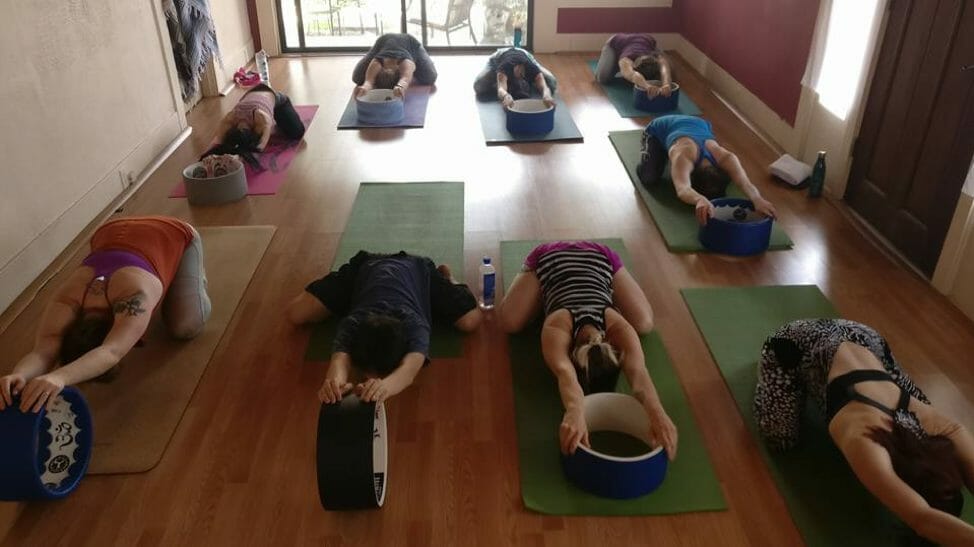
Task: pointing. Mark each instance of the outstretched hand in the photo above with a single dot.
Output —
(361, 90)
(652, 91)
(662, 431)
(765, 207)
(704, 210)
(666, 90)
(508, 101)
(331, 391)
(39, 392)
(573, 431)
(372, 390)
(10, 387)
(548, 101)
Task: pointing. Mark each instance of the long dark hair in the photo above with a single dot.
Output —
(242, 142)
(929, 465)
(84, 334)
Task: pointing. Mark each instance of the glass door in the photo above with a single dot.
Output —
(353, 25)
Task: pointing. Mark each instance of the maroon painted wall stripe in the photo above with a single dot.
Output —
(613, 20)
(764, 44)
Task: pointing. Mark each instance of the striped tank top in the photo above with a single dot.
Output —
(579, 280)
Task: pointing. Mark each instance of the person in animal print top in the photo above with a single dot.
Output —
(914, 459)
(594, 312)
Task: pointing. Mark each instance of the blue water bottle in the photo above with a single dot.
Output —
(487, 278)
(518, 33)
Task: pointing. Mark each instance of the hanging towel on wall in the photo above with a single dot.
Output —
(193, 39)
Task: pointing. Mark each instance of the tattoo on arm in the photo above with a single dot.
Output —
(130, 306)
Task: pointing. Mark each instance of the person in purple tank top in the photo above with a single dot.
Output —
(637, 59)
(246, 129)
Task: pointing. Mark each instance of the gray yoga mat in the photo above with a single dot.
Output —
(493, 120)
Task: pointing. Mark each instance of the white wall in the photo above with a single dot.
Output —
(233, 36)
(954, 275)
(88, 101)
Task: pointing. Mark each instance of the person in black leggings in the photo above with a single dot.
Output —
(914, 459)
(248, 126)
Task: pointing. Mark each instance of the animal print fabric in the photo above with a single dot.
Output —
(795, 363)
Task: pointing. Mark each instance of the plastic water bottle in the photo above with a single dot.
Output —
(517, 35)
(487, 277)
(818, 177)
(260, 58)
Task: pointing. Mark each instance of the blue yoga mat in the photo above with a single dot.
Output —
(619, 92)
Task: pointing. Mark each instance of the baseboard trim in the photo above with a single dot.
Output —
(23, 277)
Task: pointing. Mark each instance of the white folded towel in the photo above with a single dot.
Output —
(791, 170)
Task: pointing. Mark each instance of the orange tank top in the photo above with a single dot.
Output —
(160, 240)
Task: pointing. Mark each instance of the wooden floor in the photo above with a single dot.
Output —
(239, 470)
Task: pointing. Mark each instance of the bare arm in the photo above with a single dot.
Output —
(132, 316)
(502, 94)
(336, 381)
(729, 162)
(964, 446)
(406, 70)
(401, 378)
(130, 321)
(555, 344)
(263, 126)
(871, 464)
(375, 66)
(633, 365)
(665, 72)
(629, 73)
(680, 169)
(542, 85)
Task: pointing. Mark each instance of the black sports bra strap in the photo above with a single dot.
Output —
(849, 380)
(904, 402)
(856, 396)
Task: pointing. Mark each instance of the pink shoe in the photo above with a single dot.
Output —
(246, 78)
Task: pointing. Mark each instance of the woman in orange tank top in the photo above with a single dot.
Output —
(104, 307)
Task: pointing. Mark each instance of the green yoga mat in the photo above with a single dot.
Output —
(421, 218)
(827, 502)
(675, 219)
(619, 92)
(690, 485)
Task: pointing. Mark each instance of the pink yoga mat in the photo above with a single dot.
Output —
(274, 161)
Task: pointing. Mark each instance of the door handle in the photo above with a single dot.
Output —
(966, 68)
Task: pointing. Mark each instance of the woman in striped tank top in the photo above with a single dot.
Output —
(594, 312)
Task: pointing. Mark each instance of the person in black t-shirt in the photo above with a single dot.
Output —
(387, 304)
(394, 62)
(510, 74)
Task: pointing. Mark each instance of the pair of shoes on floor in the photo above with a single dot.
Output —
(246, 78)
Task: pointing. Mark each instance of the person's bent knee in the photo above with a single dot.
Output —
(643, 324)
(470, 321)
(187, 330)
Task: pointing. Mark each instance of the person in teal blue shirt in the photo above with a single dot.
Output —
(700, 167)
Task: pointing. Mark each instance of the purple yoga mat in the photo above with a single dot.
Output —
(274, 160)
(417, 98)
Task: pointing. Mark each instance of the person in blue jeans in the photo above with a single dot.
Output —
(387, 304)
(510, 74)
(700, 167)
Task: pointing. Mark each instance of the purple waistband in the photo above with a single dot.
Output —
(105, 263)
